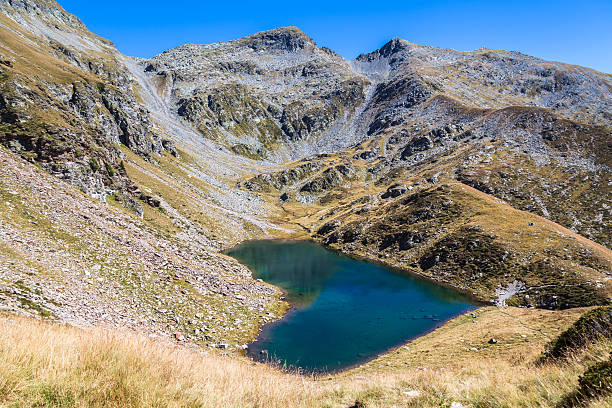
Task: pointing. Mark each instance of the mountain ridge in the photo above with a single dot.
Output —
(123, 179)
(272, 136)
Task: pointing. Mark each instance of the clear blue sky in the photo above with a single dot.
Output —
(576, 32)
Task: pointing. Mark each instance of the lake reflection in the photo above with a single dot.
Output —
(346, 311)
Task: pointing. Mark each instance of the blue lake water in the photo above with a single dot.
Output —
(345, 311)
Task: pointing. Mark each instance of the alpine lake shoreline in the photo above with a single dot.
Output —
(476, 304)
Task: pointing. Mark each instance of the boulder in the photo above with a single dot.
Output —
(368, 154)
(151, 200)
(419, 144)
(395, 191)
(170, 147)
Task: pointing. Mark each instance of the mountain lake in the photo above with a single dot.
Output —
(344, 311)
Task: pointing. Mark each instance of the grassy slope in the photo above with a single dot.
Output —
(47, 365)
(67, 256)
(454, 211)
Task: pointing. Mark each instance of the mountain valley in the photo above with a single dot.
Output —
(123, 180)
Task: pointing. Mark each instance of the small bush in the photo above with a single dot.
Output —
(55, 396)
(597, 380)
(109, 169)
(93, 164)
(594, 383)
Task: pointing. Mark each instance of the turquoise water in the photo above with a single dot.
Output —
(345, 311)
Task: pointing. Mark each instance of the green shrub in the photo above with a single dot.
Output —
(594, 383)
(93, 164)
(109, 169)
(597, 380)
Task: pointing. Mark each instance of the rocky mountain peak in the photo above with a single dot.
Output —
(394, 46)
(290, 39)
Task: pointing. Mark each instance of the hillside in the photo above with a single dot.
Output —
(123, 180)
(50, 365)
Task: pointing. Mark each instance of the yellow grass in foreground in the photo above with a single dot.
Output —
(48, 365)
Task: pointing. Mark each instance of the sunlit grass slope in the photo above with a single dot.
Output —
(49, 365)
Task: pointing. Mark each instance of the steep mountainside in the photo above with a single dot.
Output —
(69, 103)
(275, 95)
(69, 100)
(66, 99)
(488, 170)
(272, 95)
(67, 257)
(438, 99)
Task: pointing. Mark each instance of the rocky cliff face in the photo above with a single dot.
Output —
(66, 99)
(426, 102)
(274, 95)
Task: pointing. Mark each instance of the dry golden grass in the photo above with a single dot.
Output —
(47, 365)
(521, 335)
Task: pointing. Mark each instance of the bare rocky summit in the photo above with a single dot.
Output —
(274, 95)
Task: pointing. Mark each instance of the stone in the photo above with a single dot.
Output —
(170, 147)
(151, 200)
(492, 341)
(368, 154)
(419, 144)
(394, 191)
